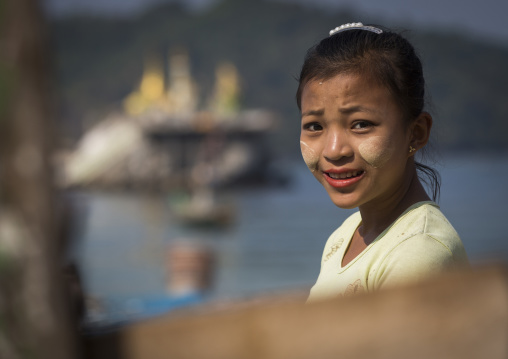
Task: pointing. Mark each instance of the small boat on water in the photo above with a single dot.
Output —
(203, 209)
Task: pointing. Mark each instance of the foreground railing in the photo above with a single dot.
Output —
(458, 315)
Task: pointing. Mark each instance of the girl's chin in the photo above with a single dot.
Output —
(345, 206)
(344, 202)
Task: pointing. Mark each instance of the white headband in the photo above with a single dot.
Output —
(355, 26)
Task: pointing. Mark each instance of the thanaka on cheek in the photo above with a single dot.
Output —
(309, 156)
(376, 150)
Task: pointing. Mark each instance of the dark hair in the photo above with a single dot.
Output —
(387, 58)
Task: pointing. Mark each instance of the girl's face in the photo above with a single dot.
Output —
(354, 140)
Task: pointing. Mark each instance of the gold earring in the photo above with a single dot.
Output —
(411, 149)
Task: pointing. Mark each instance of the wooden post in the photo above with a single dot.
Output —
(457, 316)
(34, 320)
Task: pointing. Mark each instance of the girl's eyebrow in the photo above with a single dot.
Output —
(319, 112)
(353, 109)
(344, 110)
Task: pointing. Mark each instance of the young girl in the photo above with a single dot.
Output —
(361, 97)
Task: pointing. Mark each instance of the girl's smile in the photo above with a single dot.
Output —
(343, 178)
(354, 140)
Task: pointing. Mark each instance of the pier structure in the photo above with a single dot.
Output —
(165, 135)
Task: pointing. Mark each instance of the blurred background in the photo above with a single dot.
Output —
(178, 140)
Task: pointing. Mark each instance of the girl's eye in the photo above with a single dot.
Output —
(361, 125)
(312, 126)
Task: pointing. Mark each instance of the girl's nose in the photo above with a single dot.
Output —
(336, 146)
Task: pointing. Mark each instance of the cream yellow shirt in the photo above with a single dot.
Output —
(421, 242)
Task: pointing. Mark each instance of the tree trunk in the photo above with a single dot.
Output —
(34, 320)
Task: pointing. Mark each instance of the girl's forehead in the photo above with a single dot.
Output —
(344, 87)
(346, 95)
(347, 80)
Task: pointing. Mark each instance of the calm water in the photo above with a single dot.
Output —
(277, 239)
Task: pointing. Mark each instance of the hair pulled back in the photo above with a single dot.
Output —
(387, 59)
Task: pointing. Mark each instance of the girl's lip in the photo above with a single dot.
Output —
(342, 182)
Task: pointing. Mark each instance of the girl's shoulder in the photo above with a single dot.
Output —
(425, 218)
(343, 233)
(423, 224)
(349, 225)
(421, 242)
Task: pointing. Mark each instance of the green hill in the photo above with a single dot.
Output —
(98, 61)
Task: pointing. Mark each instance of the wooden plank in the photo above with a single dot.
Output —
(460, 315)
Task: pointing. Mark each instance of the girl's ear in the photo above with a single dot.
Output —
(420, 130)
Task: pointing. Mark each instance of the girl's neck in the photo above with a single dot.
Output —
(376, 218)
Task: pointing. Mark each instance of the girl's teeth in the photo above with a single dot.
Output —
(344, 175)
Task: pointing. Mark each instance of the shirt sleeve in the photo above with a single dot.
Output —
(414, 259)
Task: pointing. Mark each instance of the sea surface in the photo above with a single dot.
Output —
(275, 241)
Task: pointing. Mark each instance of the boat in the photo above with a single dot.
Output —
(162, 134)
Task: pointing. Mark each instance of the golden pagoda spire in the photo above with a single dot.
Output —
(151, 89)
